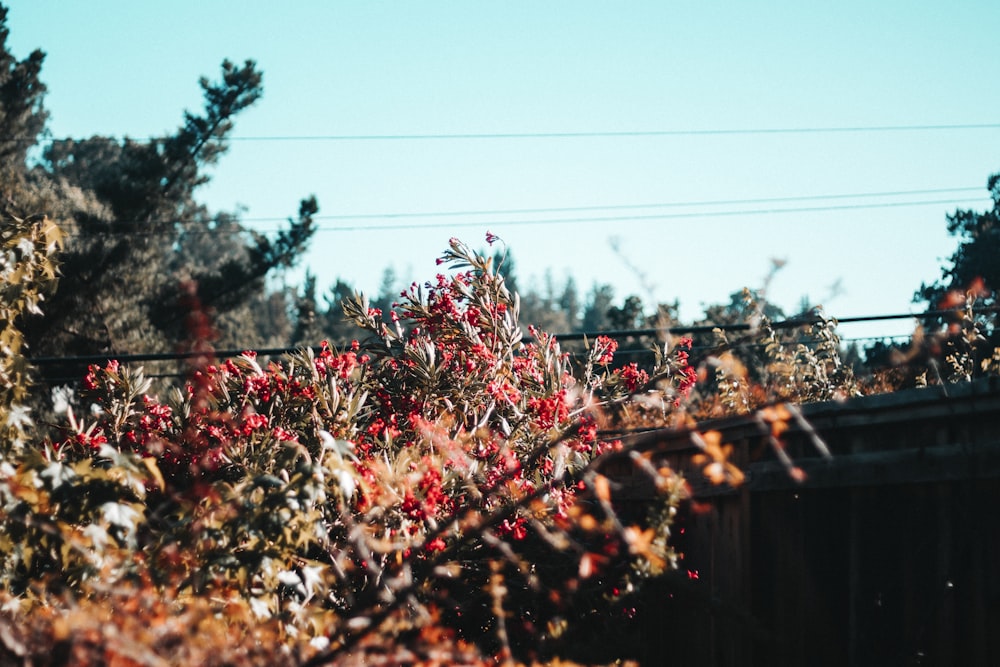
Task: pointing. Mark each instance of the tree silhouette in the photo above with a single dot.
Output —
(136, 236)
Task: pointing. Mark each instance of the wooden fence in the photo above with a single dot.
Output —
(887, 554)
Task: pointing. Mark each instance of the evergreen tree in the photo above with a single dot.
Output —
(272, 321)
(22, 121)
(569, 303)
(504, 259)
(137, 238)
(627, 316)
(308, 327)
(966, 341)
(542, 309)
(742, 307)
(595, 312)
(388, 291)
(974, 263)
(337, 328)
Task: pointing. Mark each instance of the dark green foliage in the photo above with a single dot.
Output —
(137, 239)
(22, 116)
(973, 265)
(595, 313)
(964, 342)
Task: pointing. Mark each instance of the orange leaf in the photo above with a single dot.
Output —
(602, 488)
(587, 522)
(736, 476)
(776, 413)
(639, 541)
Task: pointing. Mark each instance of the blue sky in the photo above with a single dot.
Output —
(443, 68)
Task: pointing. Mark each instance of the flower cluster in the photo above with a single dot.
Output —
(447, 443)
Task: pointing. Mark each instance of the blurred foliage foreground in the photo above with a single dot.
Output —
(434, 496)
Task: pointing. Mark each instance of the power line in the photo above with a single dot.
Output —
(548, 221)
(568, 209)
(228, 354)
(590, 134)
(619, 207)
(790, 323)
(637, 351)
(626, 133)
(558, 135)
(639, 218)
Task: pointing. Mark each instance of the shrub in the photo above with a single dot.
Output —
(432, 483)
(27, 273)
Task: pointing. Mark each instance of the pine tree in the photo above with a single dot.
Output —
(22, 121)
(974, 263)
(136, 236)
(595, 313)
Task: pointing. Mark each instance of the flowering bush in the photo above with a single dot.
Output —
(436, 493)
(441, 477)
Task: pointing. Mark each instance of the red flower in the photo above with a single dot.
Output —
(633, 377)
(550, 411)
(517, 529)
(252, 422)
(604, 350)
(437, 544)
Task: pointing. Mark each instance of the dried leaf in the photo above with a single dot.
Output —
(602, 488)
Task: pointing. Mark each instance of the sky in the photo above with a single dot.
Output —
(683, 145)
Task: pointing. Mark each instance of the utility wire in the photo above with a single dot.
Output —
(595, 134)
(548, 221)
(639, 218)
(790, 323)
(637, 351)
(621, 207)
(626, 133)
(619, 354)
(569, 209)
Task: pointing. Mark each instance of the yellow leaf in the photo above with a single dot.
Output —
(154, 470)
(587, 566)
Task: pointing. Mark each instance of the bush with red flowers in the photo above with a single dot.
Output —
(441, 476)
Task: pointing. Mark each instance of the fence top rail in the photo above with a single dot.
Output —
(618, 334)
(979, 398)
(929, 435)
